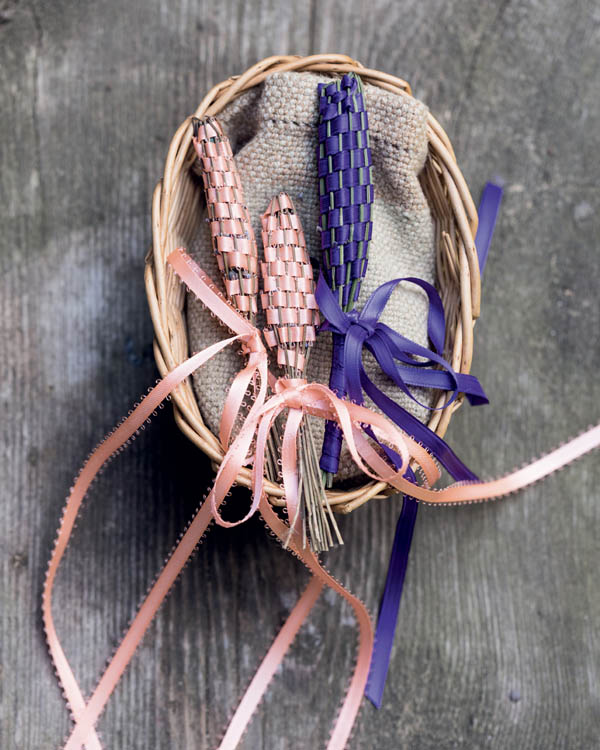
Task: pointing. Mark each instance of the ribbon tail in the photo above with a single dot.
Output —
(460, 493)
(289, 468)
(257, 363)
(394, 584)
(489, 208)
(235, 457)
(86, 716)
(138, 627)
(390, 601)
(72, 692)
(260, 682)
(206, 291)
(417, 430)
(441, 380)
(351, 705)
(392, 594)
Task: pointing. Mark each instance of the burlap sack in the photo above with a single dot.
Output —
(273, 133)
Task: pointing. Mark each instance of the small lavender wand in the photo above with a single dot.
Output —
(346, 195)
(292, 314)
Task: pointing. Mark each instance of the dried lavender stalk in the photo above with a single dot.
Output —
(346, 195)
(292, 316)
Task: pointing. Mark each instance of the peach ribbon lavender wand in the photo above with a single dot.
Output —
(292, 315)
(232, 235)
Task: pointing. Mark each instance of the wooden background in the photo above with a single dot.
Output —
(497, 644)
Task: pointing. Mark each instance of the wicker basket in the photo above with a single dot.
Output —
(176, 220)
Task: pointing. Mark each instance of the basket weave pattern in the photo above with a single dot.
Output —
(176, 220)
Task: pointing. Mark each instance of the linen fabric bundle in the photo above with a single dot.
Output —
(273, 134)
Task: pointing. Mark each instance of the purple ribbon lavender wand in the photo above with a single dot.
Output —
(346, 194)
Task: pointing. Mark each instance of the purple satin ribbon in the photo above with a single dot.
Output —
(390, 601)
(489, 206)
(396, 357)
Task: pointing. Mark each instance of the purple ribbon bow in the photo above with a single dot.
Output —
(364, 329)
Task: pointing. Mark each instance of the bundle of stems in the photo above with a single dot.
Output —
(346, 196)
(231, 231)
(292, 316)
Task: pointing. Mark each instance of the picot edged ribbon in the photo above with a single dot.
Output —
(354, 420)
(294, 396)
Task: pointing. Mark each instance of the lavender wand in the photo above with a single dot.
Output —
(346, 195)
(292, 315)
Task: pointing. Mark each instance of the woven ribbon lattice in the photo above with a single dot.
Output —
(230, 225)
(345, 185)
(288, 298)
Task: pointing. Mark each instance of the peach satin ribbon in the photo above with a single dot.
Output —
(296, 396)
(288, 395)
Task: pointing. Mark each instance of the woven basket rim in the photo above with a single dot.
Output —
(457, 267)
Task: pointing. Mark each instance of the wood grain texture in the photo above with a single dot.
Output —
(497, 644)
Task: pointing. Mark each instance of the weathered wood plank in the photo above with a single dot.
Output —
(501, 601)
